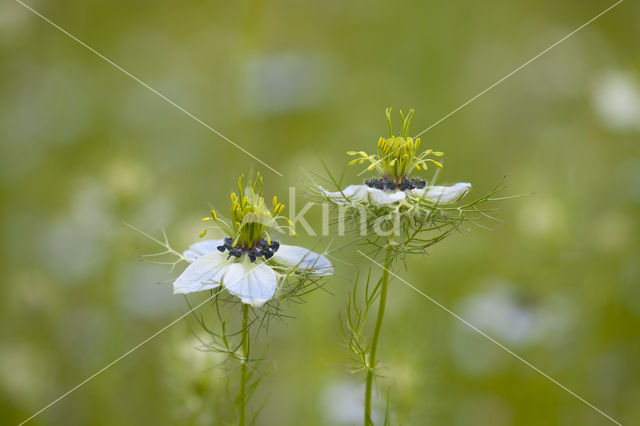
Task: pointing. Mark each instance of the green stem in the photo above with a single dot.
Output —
(243, 367)
(376, 337)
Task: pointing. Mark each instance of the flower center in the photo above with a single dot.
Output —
(250, 222)
(390, 185)
(262, 249)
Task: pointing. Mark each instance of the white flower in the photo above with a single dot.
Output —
(442, 194)
(253, 282)
(355, 193)
(435, 194)
(617, 101)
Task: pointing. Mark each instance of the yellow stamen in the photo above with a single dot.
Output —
(397, 156)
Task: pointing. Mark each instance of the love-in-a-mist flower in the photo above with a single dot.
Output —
(398, 215)
(396, 158)
(248, 263)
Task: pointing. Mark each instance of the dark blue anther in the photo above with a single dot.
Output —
(390, 185)
(261, 249)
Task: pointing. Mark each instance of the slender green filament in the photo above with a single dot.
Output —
(376, 337)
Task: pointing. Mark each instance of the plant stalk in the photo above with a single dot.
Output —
(243, 367)
(376, 337)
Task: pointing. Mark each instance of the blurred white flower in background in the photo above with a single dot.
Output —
(157, 209)
(284, 82)
(342, 403)
(512, 319)
(500, 313)
(191, 353)
(47, 107)
(84, 327)
(25, 374)
(616, 99)
(542, 217)
(33, 291)
(138, 291)
(14, 22)
(76, 243)
(613, 231)
(192, 379)
(126, 177)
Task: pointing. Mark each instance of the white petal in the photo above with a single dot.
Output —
(378, 196)
(351, 193)
(253, 283)
(442, 194)
(303, 259)
(201, 248)
(204, 273)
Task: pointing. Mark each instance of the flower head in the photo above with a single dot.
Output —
(395, 209)
(248, 263)
(396, 158)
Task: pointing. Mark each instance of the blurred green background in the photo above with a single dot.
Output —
(83, 146)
